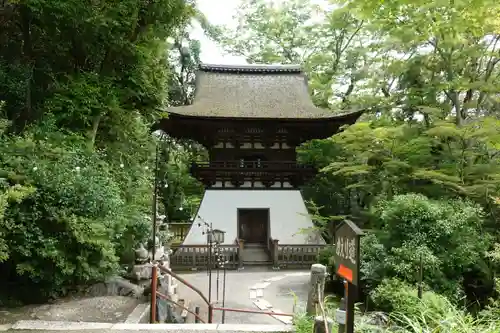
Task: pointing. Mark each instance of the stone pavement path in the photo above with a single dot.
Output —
(280, 291)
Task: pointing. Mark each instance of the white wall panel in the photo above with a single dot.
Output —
(288, 215)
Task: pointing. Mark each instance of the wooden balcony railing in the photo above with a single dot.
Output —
(188, 257)
(239, 165)
(297, 256)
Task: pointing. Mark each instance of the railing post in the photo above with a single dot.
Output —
(318, 277)
(274, 253)
(154, 280)
(197, 311)
(240, 252)
(210, 313)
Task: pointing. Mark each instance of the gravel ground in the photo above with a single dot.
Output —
(105, 309)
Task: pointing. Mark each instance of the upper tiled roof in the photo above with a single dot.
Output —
(254, 91)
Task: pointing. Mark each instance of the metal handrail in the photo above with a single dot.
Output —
(189, 285)
(168, 299)
(184, 282)
(211, 307)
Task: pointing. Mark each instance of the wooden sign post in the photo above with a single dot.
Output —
(347, 256)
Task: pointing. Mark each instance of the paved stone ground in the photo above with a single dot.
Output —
(285, 290)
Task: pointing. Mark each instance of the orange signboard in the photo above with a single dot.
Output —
(345, 272)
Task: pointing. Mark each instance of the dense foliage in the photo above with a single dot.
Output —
(81, 83)
(421, 169)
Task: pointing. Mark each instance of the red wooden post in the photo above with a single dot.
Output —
(154, 280)
(210, 313)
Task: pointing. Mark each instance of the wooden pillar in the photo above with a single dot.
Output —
(318, 277)
(274, 253)
(240, 253)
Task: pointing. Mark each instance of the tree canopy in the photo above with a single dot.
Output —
(81, 83)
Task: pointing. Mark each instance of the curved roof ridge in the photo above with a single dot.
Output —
(251, 68)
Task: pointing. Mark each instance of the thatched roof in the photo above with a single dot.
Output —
(254, 91)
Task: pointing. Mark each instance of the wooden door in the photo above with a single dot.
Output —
(253, 225)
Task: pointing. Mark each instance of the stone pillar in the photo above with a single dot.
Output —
(321, 327)
(318, 277)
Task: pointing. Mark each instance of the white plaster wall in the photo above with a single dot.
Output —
(288, 215)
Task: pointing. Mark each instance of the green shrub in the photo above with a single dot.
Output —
(445, 236)
(69, 229)
(452, 320)
(393, 294)
(325, 256)
(432, 313)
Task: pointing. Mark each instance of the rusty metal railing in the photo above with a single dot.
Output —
(168, 299)
(211, 307)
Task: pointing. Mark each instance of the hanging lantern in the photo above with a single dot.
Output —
(218, 236)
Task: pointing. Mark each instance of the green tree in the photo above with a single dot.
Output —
(82, 83)
(446, 236)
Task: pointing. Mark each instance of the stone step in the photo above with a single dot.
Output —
(255, 245)
(258, 263)
(58, 327)
(139, 315)
(256, 259)
(255, 255)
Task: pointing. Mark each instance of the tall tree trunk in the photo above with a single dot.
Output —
(26, 113)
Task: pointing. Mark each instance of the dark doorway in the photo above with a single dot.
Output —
(253, 225)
